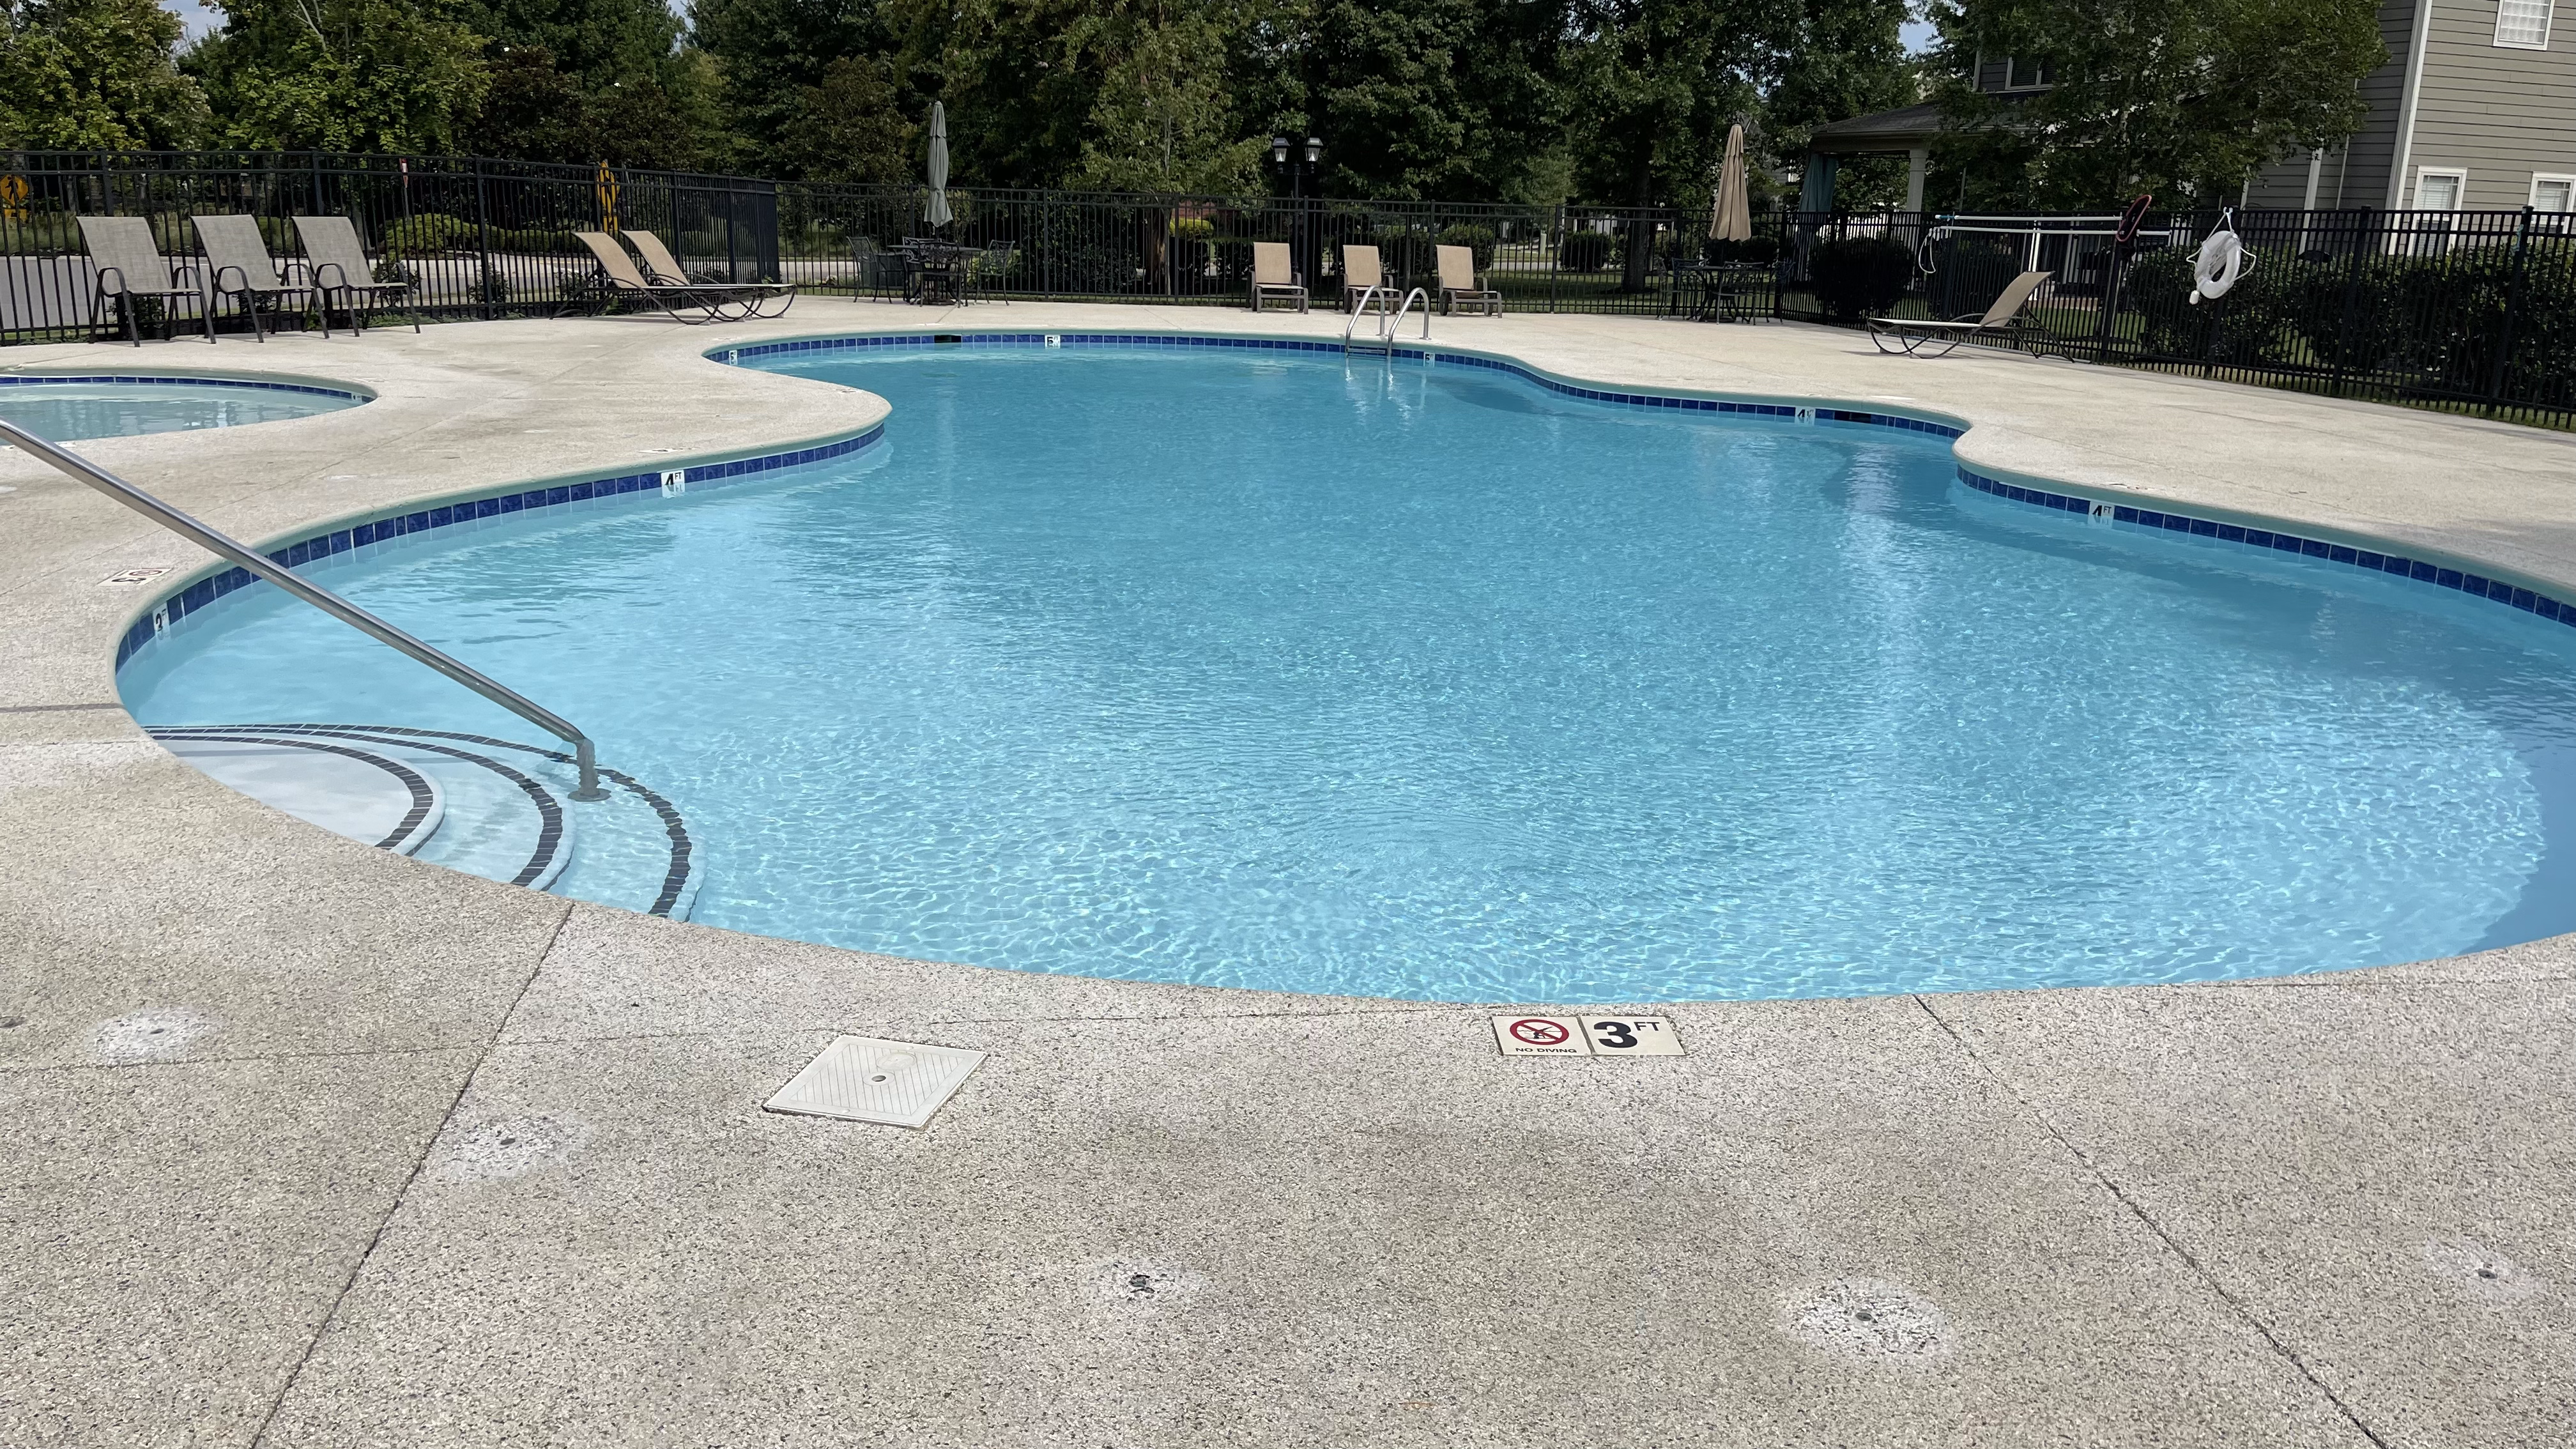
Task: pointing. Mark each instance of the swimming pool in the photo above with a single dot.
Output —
(66, 409)
(1421, 681)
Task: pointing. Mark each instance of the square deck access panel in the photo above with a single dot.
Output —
(869, 1079)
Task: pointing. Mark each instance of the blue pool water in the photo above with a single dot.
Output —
(83, 408)
(1419, 682)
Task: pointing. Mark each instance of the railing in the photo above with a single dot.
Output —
(2462, 310)
(80, 468)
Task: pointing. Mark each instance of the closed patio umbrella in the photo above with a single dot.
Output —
(937, 212)
(1730, 216)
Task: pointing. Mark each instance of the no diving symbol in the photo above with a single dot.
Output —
(1539, 1031)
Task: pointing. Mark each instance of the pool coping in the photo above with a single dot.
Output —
(461, 1004)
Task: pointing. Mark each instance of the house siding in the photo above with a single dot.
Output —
(2356, 173)
(2499, 114)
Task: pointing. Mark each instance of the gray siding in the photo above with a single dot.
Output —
(2498, 114)
(2356, 173)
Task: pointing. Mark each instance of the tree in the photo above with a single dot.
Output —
(341, 75)
(848, 127)
(769, 56)
(82, 75)
(2182, 98)
(1161, 116)
(1431, 98)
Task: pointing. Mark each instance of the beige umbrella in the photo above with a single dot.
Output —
(937, 212)
(1730, 216)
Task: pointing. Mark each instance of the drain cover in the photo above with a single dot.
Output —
(866, 1079)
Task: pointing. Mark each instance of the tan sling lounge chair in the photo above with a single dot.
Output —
(617, 270)
(1361, 270)
(664, 270)
(335, 262)
(1458, 284)
(1915, 337)
(1273, 276)
(130, 268)
(238, 266)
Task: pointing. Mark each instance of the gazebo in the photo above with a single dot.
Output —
(1907, 130)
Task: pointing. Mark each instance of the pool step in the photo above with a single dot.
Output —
(495, 808)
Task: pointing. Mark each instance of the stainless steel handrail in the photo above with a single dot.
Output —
(81, 468)
(1395, 323)
(1362, 310)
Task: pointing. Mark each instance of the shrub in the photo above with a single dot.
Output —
(1583, 251)
(430, 231)
(1479, 239)
(1760, 251)
(1860, 276)
(1193, 228)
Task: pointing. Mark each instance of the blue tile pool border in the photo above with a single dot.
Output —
(1679, 402)
(2425, 571)
(204, 591)
(60, 379)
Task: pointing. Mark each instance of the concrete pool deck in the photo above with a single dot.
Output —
(416, 1159)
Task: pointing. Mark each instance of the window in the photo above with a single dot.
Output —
(2523, 24)
(2439, 190)
(2555, 195)
(2024, 74)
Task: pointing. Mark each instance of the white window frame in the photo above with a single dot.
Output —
(2037, 70)
(2541, 178)
(2459, 198)
(2548, 19)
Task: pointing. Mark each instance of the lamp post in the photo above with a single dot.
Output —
(1299, 170)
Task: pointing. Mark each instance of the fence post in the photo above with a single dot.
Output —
(1554, 241)
(2512, 309)
(483, 247)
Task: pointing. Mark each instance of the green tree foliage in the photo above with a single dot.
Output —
(2181, 98)
(1436, 98)
(848, 127)
(769, 56)
(341, 75)
(79, 75)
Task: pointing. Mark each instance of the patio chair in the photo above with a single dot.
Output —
(131, 269)
(238, 266)
(885, 275)
(664, 270)
(1458, 283)
(1361, 270)
(618, 276)
(1914, 336)
(1274, 276)
(335, 263)
(988, 266)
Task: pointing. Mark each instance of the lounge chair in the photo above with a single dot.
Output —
(1274, 276)
(335, 263)
(238, 266)
(1458, 283)
(1913, 336)
(1361, 270)
(130, 268)
(617, 272)
(664, 270)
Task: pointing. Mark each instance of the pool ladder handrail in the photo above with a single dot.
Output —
(77, 467)
(1388, 322)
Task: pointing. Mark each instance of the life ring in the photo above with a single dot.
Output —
(2223, 262)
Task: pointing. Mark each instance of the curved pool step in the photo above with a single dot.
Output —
(358, 794)
(504, 815)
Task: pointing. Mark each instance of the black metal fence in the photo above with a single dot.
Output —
(2463, 310)
(2460, 310)
(477, 238)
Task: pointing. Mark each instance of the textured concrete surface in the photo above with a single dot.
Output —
(317, 1145)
